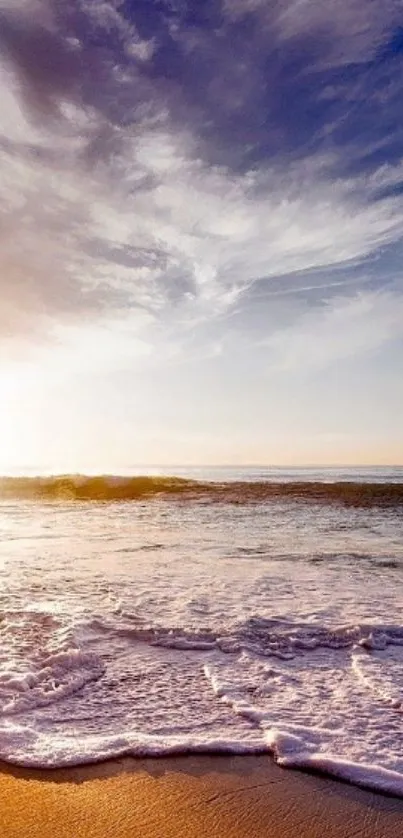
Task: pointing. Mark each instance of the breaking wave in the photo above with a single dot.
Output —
(141, 488)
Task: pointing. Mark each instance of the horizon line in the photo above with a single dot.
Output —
(33, 471)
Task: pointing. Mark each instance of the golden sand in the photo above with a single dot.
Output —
(188, 797)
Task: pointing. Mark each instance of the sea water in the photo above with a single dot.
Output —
(187, 623)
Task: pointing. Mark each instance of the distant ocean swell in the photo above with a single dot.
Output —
(111, 488)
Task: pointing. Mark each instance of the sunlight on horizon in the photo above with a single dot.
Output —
(47, 426)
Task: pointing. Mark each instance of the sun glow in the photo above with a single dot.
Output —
(8, 425)
(17, 430)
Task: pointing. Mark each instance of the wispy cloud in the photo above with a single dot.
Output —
(157, 160)
(156, 228)
(345, 327)
(354, 29)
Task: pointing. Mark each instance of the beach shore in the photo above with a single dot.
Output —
(185, 797)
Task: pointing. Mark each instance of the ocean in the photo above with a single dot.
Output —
(205, 610)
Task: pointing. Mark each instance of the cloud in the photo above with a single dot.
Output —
(45, 210)
(355, 29)
(106, 18)
(219, 232)
(153, 227)
(285, 78)
(44, 61)
(343, 328)
(158, 161)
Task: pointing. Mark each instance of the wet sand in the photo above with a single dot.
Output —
(230, 797)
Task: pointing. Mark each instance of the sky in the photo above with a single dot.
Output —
(201, 232)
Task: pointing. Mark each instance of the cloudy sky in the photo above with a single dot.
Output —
(201, 232)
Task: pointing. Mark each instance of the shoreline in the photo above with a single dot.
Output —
(188, 797)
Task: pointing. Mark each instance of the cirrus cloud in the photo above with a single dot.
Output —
(130, 186)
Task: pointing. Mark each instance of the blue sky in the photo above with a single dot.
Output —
(202, 232)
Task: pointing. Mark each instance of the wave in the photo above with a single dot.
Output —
(141, 488)
(315, 697)
(265, 637)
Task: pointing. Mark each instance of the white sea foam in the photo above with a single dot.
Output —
(59, 676)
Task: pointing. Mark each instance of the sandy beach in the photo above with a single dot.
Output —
(239, 797)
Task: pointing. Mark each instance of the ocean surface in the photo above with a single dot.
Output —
(207, 613)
